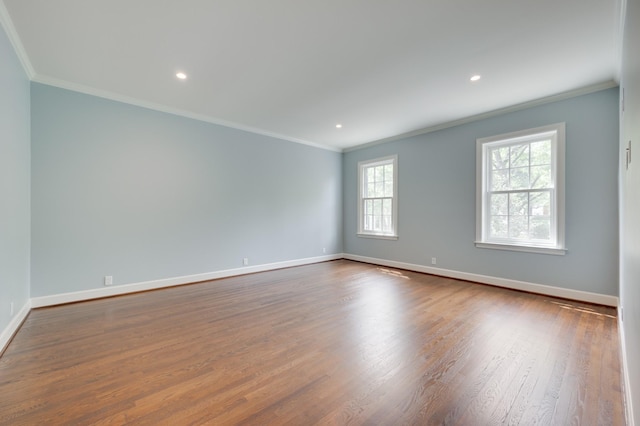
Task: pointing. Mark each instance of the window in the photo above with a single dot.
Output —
(378, 197)
(520, 190)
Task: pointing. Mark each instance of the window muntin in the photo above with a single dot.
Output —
(520, 189)
(377, 197)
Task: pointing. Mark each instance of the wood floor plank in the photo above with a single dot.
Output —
(335, 343)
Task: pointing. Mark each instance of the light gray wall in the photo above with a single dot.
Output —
(14, 183)
(437, 184)
(142, 195)
(630, 200)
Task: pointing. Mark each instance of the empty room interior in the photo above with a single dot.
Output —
(323, 212)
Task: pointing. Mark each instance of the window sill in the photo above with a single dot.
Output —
(529, 249)
(378, 236)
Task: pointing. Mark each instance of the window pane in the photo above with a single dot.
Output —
(520, 155)
(500, 158)
(499, 204)
(388, 189)
(370, 174)
(519, 178)
(541, 152)
(379, 191)
(368, 207)
(540, 228)
(379, 174)
(541, 177)
(500, 180)
(388, 172)
(377, 196)
(386, 207)
(378, 215)
(499, 227)
(370, 190)
(518, 188)
(540, 204)
(518, 227)
(519, 204)
(377, 207)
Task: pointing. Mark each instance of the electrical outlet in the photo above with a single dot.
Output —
(245, 261)
(108, 280)
(433, 260)
(324, 250)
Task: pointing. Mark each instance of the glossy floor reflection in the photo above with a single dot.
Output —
(332, 343)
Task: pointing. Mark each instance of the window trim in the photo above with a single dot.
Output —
(390, 159)
(558, 199)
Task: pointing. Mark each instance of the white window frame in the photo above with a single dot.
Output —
(362, 166)
(557, 246)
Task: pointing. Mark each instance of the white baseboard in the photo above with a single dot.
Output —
(14, 325)
(57, 299)
(583, 296)
(117, 290)
(628, 402)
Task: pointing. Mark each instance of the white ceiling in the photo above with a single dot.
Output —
(296, 68)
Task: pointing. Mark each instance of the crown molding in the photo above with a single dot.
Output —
(621, 14)
(105, 94)
(518, 107)
(12, 34)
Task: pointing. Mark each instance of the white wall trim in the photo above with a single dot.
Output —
(105, 94)
(621, 11)
(628, 401)
(57, 299)
(513, 108)
(14, 325)
(12, 34)
(117, 290)
(583, 296)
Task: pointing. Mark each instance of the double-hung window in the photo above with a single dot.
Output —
(520, 190)
(378, 198)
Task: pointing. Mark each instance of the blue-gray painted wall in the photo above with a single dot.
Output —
(15, 173)
(437, 201)
(142, 195)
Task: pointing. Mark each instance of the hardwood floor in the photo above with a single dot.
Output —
(333, 343)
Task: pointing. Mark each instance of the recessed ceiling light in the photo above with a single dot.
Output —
(181, 75)
(338, 126)
(475, 77)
